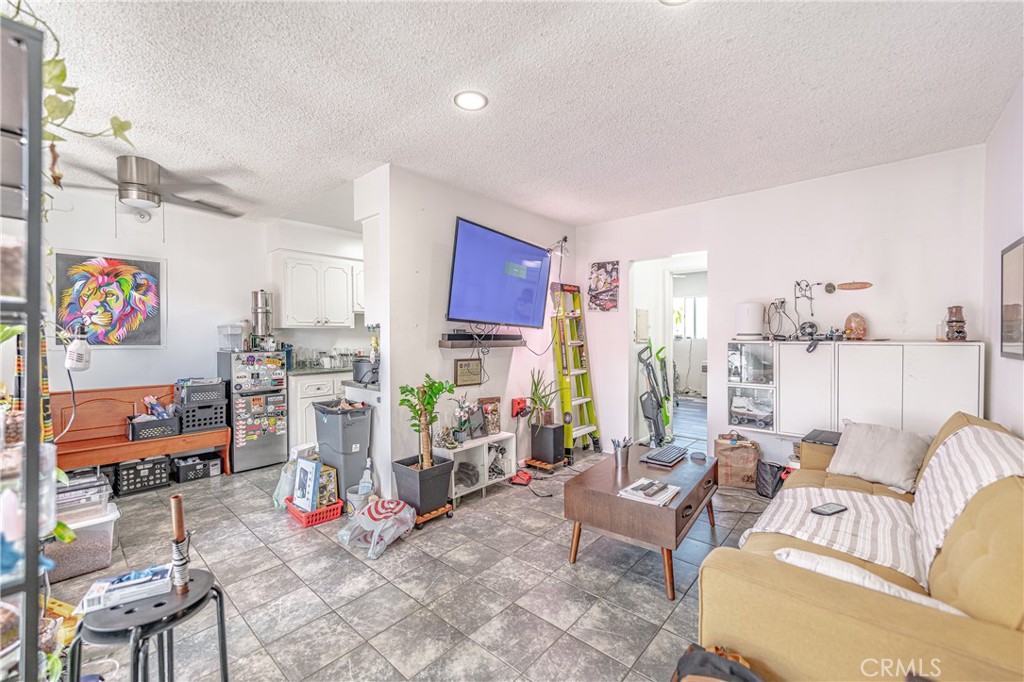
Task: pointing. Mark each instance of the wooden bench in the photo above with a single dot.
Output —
(98, 434)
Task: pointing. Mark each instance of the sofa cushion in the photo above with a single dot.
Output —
(804, 478)
(840, 569)
(979, 568)
(956, 422)
(880, 454)
(767, 543)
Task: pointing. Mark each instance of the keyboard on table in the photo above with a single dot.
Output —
(666, 456)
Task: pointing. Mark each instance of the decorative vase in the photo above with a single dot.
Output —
(956, 325)
(856, 327)
(460, 436)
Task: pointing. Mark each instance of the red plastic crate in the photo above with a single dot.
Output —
(316, 516)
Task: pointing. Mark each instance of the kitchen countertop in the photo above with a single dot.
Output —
(306, 371)
(355, 384)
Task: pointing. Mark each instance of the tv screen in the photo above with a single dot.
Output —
(497, 279)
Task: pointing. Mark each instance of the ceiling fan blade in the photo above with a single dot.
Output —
(94, 188)
(185, 185)
(201, 205)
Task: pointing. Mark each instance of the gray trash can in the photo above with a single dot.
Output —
(343, 436)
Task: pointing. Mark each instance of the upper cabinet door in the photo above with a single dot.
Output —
(300, 306)
(336, 276)
(358, 288)
(938, 380)
(805, 388)
(871, 383)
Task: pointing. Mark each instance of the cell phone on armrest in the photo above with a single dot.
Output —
(829, 509)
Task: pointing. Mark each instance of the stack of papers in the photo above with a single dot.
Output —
(632, 492)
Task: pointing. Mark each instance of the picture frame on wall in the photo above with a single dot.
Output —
(469, 372)
(1011, 309)
(120, 301)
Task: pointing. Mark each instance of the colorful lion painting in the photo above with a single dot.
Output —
(110, 297)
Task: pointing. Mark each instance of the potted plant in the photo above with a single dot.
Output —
(423, 482)
(547, 439)
(541, 393)
(463, 408)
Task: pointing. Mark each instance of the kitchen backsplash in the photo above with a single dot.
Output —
(345, 340)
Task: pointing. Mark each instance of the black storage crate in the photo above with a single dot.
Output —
(204, 416)
(203, 393)
(153, 428)
(143, 474)
(193, 468)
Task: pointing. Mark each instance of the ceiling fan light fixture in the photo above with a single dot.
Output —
(138, 197)
(673, 3)
(471, 100)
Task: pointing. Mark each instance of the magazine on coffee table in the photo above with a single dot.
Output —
(635, 491)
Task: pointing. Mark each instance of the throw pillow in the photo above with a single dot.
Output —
(880, 454)
(850, 573)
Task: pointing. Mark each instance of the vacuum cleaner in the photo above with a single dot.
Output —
(652, 403)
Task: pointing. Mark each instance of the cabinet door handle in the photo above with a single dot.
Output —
(687, 510)
(316, 321)
(708, 483)
(326, 321)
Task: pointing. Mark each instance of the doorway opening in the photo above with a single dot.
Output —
(668, 358)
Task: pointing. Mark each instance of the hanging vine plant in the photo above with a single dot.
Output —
(59, 98)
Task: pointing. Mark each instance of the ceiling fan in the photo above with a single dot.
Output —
(144, 184)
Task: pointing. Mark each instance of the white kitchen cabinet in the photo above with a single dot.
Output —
(300, 302)
(939, 379)
(358, 288)
(805, 382)
(303, 391)
(313, 290)
(336, 290)
(871, 383)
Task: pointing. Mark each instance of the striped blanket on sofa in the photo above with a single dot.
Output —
(875, 528)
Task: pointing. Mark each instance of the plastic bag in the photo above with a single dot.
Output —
(285, 484)
(377, 526)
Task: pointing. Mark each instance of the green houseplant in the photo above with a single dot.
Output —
(541, 394)
(423, 479)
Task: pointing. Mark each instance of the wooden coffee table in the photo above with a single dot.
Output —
(591, 499)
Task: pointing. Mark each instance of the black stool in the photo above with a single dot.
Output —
(137, 622)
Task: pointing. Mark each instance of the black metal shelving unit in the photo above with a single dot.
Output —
(21, 83)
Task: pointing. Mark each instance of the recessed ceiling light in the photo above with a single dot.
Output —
(470, 100)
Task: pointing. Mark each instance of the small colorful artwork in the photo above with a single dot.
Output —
(603, 292)
(118, 300)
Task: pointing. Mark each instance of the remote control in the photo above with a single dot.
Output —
(643, 486)
(655, 489)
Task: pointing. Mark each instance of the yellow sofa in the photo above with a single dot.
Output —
(793, 624)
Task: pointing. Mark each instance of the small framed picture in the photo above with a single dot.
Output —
(328, 486)
(307, 484)
(469, 372)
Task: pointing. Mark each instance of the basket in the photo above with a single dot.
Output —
(153, 428)
(204, 416)
(316, 516)
(202, 393)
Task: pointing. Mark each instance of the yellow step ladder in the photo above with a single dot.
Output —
(572, 368)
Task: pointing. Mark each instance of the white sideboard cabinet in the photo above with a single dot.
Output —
(913, 386)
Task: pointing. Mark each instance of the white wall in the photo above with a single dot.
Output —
(912, 227)
(1004, 223)
(418, 230)
(207, 283)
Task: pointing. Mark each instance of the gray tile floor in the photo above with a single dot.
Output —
(486, 595)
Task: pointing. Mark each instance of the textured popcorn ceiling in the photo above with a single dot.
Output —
(597, 110)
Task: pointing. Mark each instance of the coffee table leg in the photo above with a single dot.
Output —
(577, 528)
(670, 579)
(711, 514)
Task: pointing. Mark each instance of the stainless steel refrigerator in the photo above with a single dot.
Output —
(257, 385)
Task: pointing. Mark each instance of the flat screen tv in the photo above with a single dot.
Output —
(497, 279)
